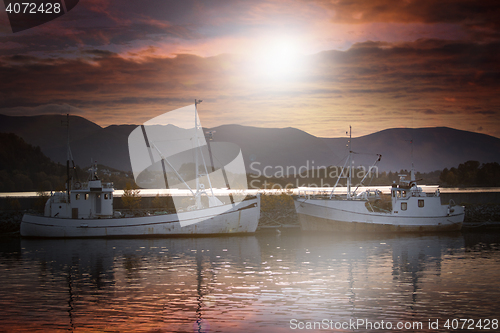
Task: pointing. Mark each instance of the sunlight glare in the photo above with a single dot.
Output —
(278, 58)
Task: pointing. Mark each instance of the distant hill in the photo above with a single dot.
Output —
(47, 130)
(433, 148)
(88, 141)
(25, 168)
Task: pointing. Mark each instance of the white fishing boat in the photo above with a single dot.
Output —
(406, 209)
(160, 156)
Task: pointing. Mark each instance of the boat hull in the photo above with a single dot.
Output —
(242, 217)
(348, 216)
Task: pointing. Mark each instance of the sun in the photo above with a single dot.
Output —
(277, 57)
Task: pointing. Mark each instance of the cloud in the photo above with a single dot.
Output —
(122, 25)
(373, 85)
(479, 18)
(43, 110)
(429, 11)
(209, 28)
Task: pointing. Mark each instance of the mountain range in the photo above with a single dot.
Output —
(275, 148)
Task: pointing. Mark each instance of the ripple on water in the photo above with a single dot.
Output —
(244, 283)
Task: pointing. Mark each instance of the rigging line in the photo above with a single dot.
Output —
(201, 152)
(224, 174)
(344, 158)
(338, 178)
(327, 144)
(206, 171)
(172, 167)
(368, 173)
(369, 154)
(147, 144)
(346, 148)
(340, 160)
(204, 164)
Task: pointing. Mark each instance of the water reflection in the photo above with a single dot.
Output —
(245, 283)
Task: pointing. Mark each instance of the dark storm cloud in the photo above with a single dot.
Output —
(434, 112)
(101, 53)
(430, 11)
(487, 112)
(428, 76)
(480, 18)
(99, 23)
(130, 24)
(424, 65)
(106, 82)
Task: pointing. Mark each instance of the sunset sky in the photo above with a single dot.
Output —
(316, 65)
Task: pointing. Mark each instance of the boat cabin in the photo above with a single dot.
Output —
(92, 199)
(409, 199)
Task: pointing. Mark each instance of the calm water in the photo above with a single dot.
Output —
(266, 282)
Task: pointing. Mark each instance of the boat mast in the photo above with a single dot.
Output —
(202, 157)
(198, 198)
(69, 156)
(412, 172)
(68, 152)
(349, 178)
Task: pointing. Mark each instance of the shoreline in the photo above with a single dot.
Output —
(478, 217)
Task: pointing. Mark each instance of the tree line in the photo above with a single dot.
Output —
(472, 173)
(24, 167)
(468, 174)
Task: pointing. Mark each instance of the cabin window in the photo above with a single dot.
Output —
(86, 196)
(404, 205)
(404, 194)
(106, 196)
(77, 196)
(393, 194)
(420, 203)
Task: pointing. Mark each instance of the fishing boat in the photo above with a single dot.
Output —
(406, 209)
(166, 152)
